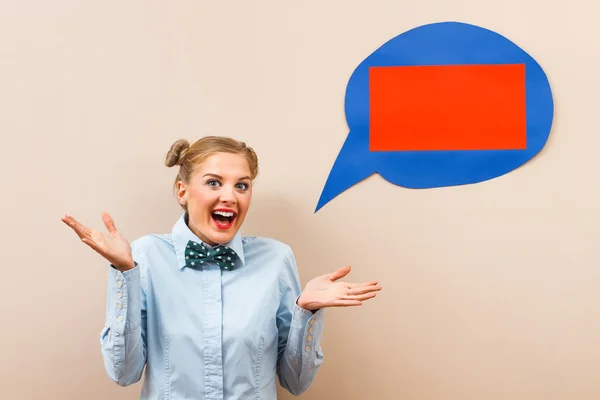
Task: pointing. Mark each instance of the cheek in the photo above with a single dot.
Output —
(244, 201)
(199, 200)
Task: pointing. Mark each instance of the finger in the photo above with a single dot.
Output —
(353, 285)
(72, 222)
(340, 273)
(361, 297)
(67, 219)
(109, 223)
(364, 289)
(92, 244)
(347, 303)
(81, 230)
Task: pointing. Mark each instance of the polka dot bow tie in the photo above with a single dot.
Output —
(197, 254)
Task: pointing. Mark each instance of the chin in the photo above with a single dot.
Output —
(221, 239)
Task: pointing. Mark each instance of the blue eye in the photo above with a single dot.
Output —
(242, 186)
(212, 182)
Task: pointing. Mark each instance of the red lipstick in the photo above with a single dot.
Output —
(223, 217)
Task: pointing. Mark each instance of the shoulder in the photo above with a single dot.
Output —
(273, 255)
(151, 241)
(151, 246)
(273, 248)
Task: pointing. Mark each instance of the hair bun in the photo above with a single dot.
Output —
(177, 153)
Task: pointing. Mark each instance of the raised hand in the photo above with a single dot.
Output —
(113, 247)
(325, 291)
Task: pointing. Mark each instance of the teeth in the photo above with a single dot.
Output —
(224, 213)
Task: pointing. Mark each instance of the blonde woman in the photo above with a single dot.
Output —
(209, 313)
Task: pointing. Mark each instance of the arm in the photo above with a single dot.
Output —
(300, 330)
(124, 334)
(300, 320)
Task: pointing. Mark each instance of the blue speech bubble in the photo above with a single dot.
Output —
(444, 43)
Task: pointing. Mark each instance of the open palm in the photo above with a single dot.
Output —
(113, 246)
(327, 291)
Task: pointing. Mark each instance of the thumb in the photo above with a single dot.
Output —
(340, 273)
(109, 223)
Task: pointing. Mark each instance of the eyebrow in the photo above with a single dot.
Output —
(220, 177)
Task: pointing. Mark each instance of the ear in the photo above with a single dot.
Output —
(181, 193)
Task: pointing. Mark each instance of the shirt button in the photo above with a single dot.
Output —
(310, 329)
(307, 348)
(119, 295)
(119, 306)
(309, 338)
(119, 283)
(312, 321)
(120, 318)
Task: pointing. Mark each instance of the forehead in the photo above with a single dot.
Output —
(227, 165)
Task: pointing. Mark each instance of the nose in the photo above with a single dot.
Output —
(228, 195)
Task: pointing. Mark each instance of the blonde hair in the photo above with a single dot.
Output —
(188, 157)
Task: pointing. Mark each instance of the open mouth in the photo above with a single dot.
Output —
(223, 218)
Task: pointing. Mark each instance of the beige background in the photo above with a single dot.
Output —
(492, 290)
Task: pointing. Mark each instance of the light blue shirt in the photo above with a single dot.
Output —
(207, 334)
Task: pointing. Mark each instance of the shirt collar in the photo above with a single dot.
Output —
(181, 234)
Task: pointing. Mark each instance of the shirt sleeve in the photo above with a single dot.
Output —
(300, 330)
(123, 337)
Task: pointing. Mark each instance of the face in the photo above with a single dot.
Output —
(217, 197)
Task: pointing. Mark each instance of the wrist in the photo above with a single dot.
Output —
(305, 304)
(124, 267)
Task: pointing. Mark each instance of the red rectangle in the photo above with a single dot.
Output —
(453, 107)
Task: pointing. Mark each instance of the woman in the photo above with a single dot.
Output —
(212, 314)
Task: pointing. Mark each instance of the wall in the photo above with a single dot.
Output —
(491, 290)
